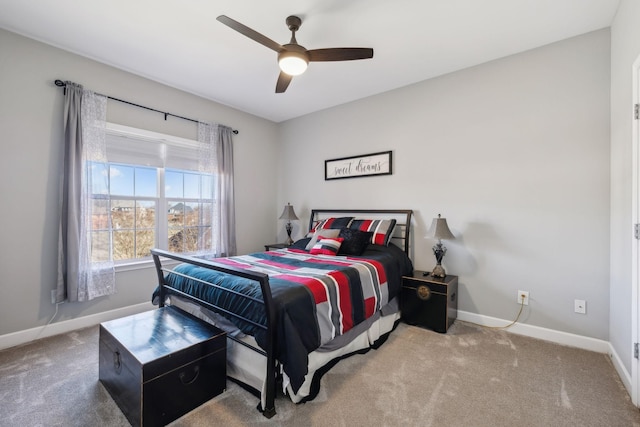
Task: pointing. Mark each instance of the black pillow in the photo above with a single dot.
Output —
(355, 241)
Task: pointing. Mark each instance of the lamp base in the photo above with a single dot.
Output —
(289, 228)
(438, 271)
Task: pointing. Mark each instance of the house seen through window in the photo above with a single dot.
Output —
(148, 194)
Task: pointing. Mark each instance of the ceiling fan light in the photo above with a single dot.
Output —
(292, 64)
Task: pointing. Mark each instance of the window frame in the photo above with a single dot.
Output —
(161, 227)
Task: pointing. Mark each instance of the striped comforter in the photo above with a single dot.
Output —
(318, 297)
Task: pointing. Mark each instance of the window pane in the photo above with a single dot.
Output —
(206, 237)
(191, 239)
(206, 213)
(121, 180)
(176, 239)
(207, 187)
(123, 245)
(145, 241)
(99, 173)
(146, 182)
(191, 214)
(175, 214)
(100, 214)
(100, 246)
(173, 184)
(191, 186)
(145, 215)
(123, 213)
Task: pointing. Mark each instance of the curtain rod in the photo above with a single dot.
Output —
(60, 83)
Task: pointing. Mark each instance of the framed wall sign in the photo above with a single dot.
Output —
(357, 166)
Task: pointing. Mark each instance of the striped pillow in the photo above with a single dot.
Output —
(330, 223)
(382, 229)
(327, 246)
(321, 233)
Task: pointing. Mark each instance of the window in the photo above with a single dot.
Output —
(189, 205)
(148, 194)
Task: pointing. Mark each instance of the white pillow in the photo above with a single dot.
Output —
(327, 232)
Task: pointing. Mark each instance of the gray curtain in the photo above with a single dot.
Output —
(216, 157)
(80, 279)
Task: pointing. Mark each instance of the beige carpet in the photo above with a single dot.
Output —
(472, 376)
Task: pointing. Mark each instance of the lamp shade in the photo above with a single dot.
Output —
(288, 213)
(439, 229)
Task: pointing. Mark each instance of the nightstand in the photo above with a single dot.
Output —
(430, 302)
(275, 246)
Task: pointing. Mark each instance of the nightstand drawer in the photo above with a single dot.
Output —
(429, 302)
(435, 287)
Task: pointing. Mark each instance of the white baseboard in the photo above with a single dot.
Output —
(559, 337)
(21, 337)
(625, 376)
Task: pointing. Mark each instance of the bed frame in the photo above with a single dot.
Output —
(401, 234)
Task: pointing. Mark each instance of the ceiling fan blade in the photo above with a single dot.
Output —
(283, 82)
(340, 54)
(252, 34)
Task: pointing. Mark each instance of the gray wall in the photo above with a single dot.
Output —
(31, 132)
(514, 153)
(625, 49)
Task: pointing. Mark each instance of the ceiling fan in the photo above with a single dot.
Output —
(293, 58)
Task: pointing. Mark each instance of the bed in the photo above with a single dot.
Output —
(291, 314)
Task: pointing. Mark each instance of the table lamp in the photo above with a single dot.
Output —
(289, 215)
(439, 230)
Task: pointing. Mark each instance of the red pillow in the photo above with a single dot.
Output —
(327, 246)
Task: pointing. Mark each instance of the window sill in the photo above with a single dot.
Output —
(143, 265)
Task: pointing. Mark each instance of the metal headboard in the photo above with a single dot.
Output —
(401, 233)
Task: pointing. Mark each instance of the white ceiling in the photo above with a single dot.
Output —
(180, 43)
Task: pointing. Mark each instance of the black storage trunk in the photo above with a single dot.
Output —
(161, 364)
(430, 302)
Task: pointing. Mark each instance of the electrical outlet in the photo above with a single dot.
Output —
(580, 306)
(53, 296)
(523, 297)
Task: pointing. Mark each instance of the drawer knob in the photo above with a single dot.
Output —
(423, 292)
